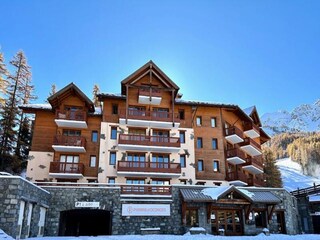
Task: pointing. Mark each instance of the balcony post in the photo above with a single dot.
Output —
(172, 96)
(127, 97)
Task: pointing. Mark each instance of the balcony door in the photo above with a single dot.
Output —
(137, 111)
(160, 161)
(160, 136)
(69, 163)
(161, 113)
(137, 160)
(74, 112)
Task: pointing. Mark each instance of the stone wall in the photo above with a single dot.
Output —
(13, 191)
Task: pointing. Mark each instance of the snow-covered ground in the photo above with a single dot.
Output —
(292, 176)
(192, 237)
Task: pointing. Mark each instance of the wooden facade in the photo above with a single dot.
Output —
(225, 140)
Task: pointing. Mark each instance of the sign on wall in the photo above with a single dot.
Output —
(145, 209)
(87, 204)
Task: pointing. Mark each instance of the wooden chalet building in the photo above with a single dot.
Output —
(136, 160)
(145, 135)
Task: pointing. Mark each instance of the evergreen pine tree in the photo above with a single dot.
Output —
(52, 91)
(272, 173)
(3, 80)
(10, 115)
(95, 92)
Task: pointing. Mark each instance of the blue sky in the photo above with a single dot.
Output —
(263, 53)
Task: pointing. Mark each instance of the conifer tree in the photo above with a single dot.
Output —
(95, 92)
(10, 116)
(272, 173)
(3, 79)
(53, 90)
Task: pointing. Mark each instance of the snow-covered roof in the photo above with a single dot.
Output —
(44, 106)
(196, 102)
(248, 110)
(215, 193)
(111, 95)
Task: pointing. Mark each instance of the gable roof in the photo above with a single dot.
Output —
(213, 194)
(69, 90)
(145, 69)
(253, 114)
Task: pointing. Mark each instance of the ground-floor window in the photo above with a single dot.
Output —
(229, 221)
(192, 217)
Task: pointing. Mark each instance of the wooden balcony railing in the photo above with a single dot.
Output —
(153, 92)
(76, 141)
(251, 126)
(150, 115)
(237, 175)
(72, 115)
(146, 189)
(233, 131)
(257, 181)
(235, 152)
(249, 141)
(129, 166)
(63, 167)
(149, 140)
(255, 161)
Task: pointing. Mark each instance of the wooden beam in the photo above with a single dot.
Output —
(183, 214)
(141, 76)
(270, 212)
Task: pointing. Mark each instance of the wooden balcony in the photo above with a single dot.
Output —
(251, 130)
(254, 165)
(152, 118)
(234, 135)
(235, 156)
(149, 96)
(148, 167)
(250, 147)
(153, 92)
(258, 181)
(153, 143)
(237, 178)
(74, 119)
(66, 170)
(146, 189)
(76, 144)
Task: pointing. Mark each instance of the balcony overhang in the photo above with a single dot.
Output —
(149, 100)
(66, 175)
(234, 139)
(238, 183)
(236, 160)
(151, 174)
(71, 123)
(251, 150)
(162, 149)
(153, 124)
(252, 169)
(73, 149)
(252, 133)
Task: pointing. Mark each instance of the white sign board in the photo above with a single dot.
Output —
(87, 204)
(145, 209)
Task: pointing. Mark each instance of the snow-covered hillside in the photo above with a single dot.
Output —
(292, 176)
(305, 117)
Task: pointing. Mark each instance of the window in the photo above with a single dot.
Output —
(94, 136)
(112, 160)
(183, 161)
(200, 165)
(213, 122)
(183, 181)
(160, 161)
(69, 158)
(199, 143)
(192, 217)
(111, 180)
(93, 161)
(113, 132)
(216, 166)
(214, 143)
(135, 181)
(160, 182)
(181, 114)
(199, 121)
(182, 136)
(114, 108)
(160, 112)
(136, 157)
(260, 218)
(69, 132)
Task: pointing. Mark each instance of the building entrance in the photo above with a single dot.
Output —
(85, 222)
(228, 220)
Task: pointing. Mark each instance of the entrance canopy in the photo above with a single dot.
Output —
(232, 193)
